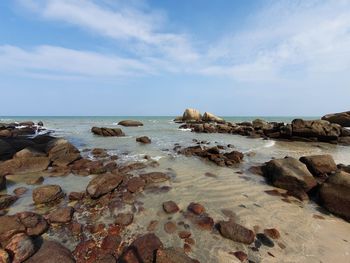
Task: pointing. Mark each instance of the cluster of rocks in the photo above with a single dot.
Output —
(314, 176)
(20, 129)
(216, 154)
(194, 116)
(298, 129)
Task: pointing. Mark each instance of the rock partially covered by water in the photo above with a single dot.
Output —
(130, 123)
(24, 165)
(173, 255)
(191, 115)
(231, 230)
(143, 249)
(170, 207)
(143, 139)
(290, 174)
(62, 153)
(341, 118)
(103, 131)
(320, 165)
(47, 193)
(335, 194)
(52, 252)
(103, 184)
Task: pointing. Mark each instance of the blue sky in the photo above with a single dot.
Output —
(138, 57)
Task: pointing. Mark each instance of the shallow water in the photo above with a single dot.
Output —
(306, 238)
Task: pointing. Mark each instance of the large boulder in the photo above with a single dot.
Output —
(62, 153)
(335, 194)
(209, 117)
(103, 184)
(341, 118)
(191, 115)
(47, 193)
(24, 165)
(320, 129)
(290, 174)
(320, 165)
(107, 132)
(130, 123)
(143, 249)
(52, 252)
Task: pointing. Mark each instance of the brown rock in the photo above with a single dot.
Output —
(4, 256)
(152, 225)
(52, 252)
(184, 234)
(143, 139)
(124, 219)
(20, 191)
(320, 129)
(24, 165)
(35, 224)
(61, 215)
(35, 180)
(170, 207)
(9, 226)
(75, 196)
(107, 131)
(47, 193)
(136, 185)
(204, 222)
(28, 153)
(155, 177)
(319, 165)
(170, 227)
(62, 153)
(21, 247)
(196, 208)
(7, 200)
(273, 233)
(236, 232)
(130, 123)
(172, 255)
(342, 118)
(143, 249)
(241, 255)
(103, 184)
(99, 152)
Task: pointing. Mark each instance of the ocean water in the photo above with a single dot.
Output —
(307, 239)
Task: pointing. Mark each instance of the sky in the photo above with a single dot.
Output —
(158, 57)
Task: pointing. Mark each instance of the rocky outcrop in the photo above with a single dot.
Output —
(47, 193)
(62, 153)
(290, 174)
(213, 154)
(103, 184)
(191, 115)
(11, 130)
(107, 132)
(143, 139)
(320, 129)
(341, 118)
(335, 194)
(130, 123)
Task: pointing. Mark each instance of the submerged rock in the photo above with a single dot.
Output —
(335, 194)
(154, 177)
(124, 219)
(47, 193)
(103, 184)
(107, 132)
(170, 207)
(130, 123)
(143, 139)
(236, 232)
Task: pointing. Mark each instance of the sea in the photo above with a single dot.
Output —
(304, 236)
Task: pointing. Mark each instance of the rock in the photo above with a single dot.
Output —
(136, 184)
(35, 180)
(178, 119)
(75, 196)
(335, 194)
(191, 115)
(47, 193)
(61, 215)
(62, 153)
(184, 234)
(124, 219)
(204, 222)
(35, 224)
(170, 227)
(7, 200)
(236, 232)
(99, 152)
(21, 247)
(40, 123)
(259, 124)
(4, 256)
(105, 258)
(234, 156)
(107, 132)
(320, 129)
(24, 165)
(209, 117)
(265, 240)
(29, 152)
(52, 252)
(130, 123)
(319, 165)
(9, 226)
(154, 177)
(172, 255)
(241, 256)
(272, 232)
(103, 184)
(196, 208)
(143, 139)
(5, 133)
(170, 207)
(342, 118)
(289, 174)
(20, 191)
(143, 249)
